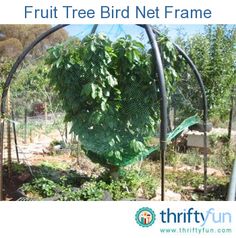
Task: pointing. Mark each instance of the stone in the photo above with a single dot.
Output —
(24, 177)
(196, 140)
(169, 196)
(107, 196)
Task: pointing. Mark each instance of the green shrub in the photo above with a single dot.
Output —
(41, 186)
(129, 185)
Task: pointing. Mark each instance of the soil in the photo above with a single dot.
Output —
(39, 151)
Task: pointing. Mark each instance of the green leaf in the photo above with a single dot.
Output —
(86, 90)
(93, 90)
(118, 155)
(111, 81)
(99, 92)
(92, 47)
(103, 106)
(137, 146)
(169, 46)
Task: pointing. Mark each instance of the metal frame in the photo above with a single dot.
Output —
(231, 195)
(160, 84)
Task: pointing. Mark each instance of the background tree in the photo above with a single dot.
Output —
(214, 55)
(13, 38)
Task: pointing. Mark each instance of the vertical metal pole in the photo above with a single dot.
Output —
(160, 83)
(231, 196)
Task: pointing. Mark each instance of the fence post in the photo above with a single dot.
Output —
(231, 112)
(1, 160)
(66, 132)
(15, 138)
(26, 126)
(46, 114)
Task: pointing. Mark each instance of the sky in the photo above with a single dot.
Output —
(118, 30)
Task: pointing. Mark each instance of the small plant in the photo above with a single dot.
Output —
(130, 183)
(192, 158)
(213, 139)
(218, 138)
(41, 186)
(174, 158)
(69, 194)
(93, 191)
(18, 168)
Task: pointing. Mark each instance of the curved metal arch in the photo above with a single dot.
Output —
(161, 86)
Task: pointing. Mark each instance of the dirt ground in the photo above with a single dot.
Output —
(39, 151)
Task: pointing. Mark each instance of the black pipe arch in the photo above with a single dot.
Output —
(161, 85)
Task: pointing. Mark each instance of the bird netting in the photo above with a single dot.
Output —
(109, 94)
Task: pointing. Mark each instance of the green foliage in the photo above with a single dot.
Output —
(5, 66)
(214, 56)
(179, 179)
(174, 65)
(66, 188)
(32, 86)
(93, 191)
(18, 168)
(223, 152)
(108, 92)
(41, 186)
(92, 80)
(127, 187)
(214, 139)
(189, 178)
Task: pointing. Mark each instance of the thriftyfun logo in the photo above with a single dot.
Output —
(145, 217)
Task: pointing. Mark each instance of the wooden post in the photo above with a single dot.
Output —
(231, 114)
(66, 132)
(77, 150)
(1, 160)
(14, 132)
(174, 126)
(46, 114)
(230, 122)
(26, 127)
(9, 158)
